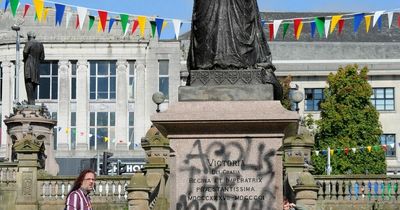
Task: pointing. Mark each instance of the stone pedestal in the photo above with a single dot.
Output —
(226, 153)
(138, 193)
(37, 121)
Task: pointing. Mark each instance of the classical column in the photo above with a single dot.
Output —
(63, 116)
(82, 104)
(6, 107)
(140, 103)
(121, 134)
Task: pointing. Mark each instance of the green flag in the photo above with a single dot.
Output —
(320, 22)
(153, 28)
(14, 6)
(91, 22)
(285, 28)
(124, 21)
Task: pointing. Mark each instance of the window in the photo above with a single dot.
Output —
(102, 79)
(73, 79)
(314, 97)
(48, 88)
(131, 91)
(73, 130)
(163, 77)
(383, 99)
(390, 141)
(102, 130)
(131, 130)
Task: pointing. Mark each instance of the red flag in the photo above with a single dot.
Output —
(384, 147)
(341, 25)
(271, 31)
(296, 26)
(77, 21)
(135, 25)
(103, 18)
(26, 9)
(398, 21)
(346, 151)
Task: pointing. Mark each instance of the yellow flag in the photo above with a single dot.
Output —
(332, 151)
(165, 23)
(99, 26)
(45, 12)
(367, 23)
(299, 30)
(67, 130)
(39, 4)
(142, 25)
(369, 147)
(106, 139)
(335, 20)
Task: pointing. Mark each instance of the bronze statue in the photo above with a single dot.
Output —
(228, 34)
(33, 56)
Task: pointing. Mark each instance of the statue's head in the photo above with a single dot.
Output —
(31, 35)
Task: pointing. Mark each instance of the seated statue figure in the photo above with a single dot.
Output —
(228, 34)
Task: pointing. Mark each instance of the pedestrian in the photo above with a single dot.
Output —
(78, 198)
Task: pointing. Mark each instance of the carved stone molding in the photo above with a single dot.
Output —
(63, 66)
(122, 65)
(140, 67)
(225, 77)
(82, 65)
(6, 64)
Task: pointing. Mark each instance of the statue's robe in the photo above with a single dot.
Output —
(227, 34)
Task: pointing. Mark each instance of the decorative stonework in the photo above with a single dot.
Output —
(225, 77)
(63, 66)
(27, 184)
(82, 65)
(155, 144)
(122, 65)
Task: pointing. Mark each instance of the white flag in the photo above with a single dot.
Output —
(126, 29)
(327, 27)
(68, 18)
(377, 15)
(277, 23)
(390, 18)
(82, 12)
(316, 153)
(353, 149)
(177, 27)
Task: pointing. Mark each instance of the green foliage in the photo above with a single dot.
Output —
(285, 101)
(348, 119)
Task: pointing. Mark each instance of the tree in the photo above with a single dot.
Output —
(285, 101)
(349, 120)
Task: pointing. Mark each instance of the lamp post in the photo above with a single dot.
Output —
(297, 96)
(16, 28)
(158, 98)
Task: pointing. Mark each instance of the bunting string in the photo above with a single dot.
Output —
(362, 149)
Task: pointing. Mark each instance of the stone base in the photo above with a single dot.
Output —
(261, 92)
(226, 153)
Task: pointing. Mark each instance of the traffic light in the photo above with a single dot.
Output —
(121, 167)
(107, 165)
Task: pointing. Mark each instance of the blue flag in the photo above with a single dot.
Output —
(357, 20)
(59, 13)
(313, 26)
(110, 23)
(6, 5)
(159, 25)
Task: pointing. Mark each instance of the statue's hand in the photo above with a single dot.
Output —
(266, 66)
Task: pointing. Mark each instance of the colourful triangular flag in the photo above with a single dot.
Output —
(341, 26)
(271, 31)
(135, 25)
(390, 18)
(68, 16)
(353, 149)
(369, 148)
(177, 27)
(327, 25)
(91, 22)
(124, 21)
(277, 23)
(14, 6)
(77, 22)
(59, 13)
(320, 22)
(90, 135)
(26, 8)
(285, 28)
(313, 26)
(106, 138)
(346, 151)
(82, 15)
(377, 15)
(103, 18)
(334, 22)
(39, 5)
(153, 28)
(317, 153)
(128, 25)
(159, 26)
(142, 24)
(6, 5)
(332, 151)
(45, 12)
(367, 23)
(67, 130)
(298, 26)
(110, 24)
(357, 21)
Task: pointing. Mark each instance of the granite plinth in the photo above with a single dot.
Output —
(261, 92)
(226, 153)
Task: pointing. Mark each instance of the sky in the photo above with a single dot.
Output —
(182, 9)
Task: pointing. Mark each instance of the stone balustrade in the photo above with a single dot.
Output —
(108, 188)
(358, 188)
(8, 173)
